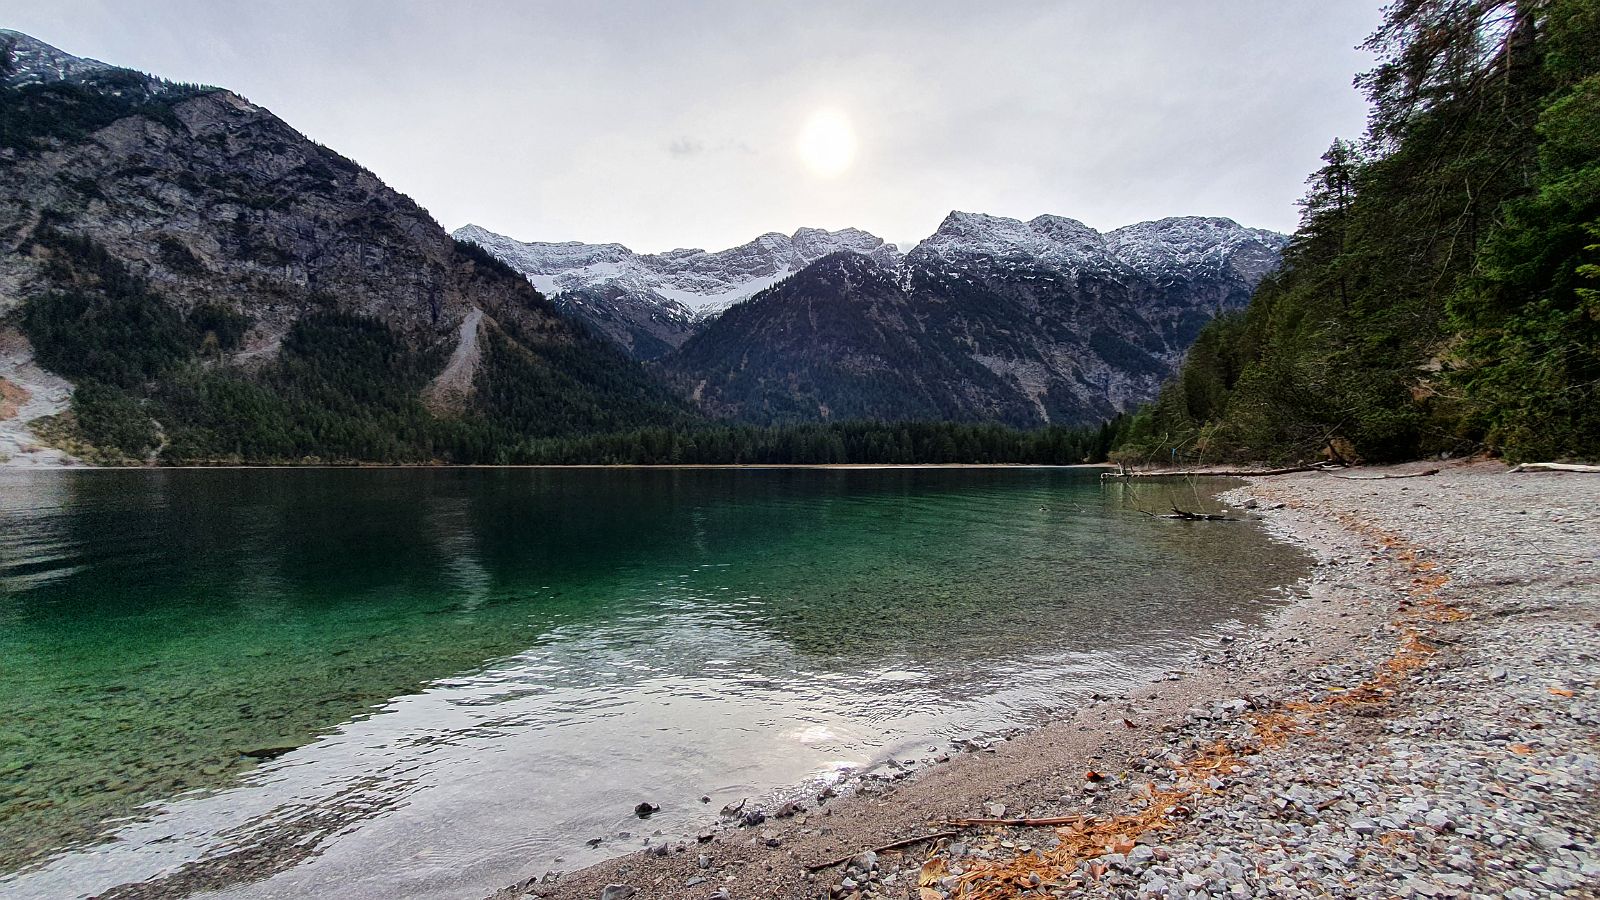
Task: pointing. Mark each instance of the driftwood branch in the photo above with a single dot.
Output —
(1555, 467)
(1423, 474)
(1026, 823)
(892, 845)
(1187, 516)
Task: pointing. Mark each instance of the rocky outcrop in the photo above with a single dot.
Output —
(227, 204)
(28, 396)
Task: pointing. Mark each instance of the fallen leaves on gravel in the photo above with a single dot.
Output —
(1162, 810)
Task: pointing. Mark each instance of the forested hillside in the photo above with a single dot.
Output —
(218, 288)
(1443, 291)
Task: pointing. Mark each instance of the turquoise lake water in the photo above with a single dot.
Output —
(435, 682)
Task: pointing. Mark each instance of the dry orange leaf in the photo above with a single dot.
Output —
(1561, 692)
(1521, 749)
(932, 871)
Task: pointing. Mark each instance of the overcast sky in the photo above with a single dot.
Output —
(679, 124)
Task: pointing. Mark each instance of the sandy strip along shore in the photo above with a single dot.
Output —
(1423, 721)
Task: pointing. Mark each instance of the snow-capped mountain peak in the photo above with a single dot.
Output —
(699, 281)
(651, 302)
(1186, 243)
(1172, 247)
(1050, 242)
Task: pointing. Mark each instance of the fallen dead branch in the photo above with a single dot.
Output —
(1554, 467)
(1198, 517)
(1423, 474)
(892, 845)
(1186, 516)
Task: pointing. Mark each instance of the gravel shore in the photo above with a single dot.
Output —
(1422, 721)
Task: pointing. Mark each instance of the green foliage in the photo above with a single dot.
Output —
(112, 420)
(343, 388)
(581, 384)
(1433, 298)
(218, 326)
(859, 442)
(1530, 318)
(177, 256)
(102, 323)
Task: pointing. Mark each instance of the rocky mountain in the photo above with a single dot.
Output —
(35, 62)
(1045, 321)
(217, 286)
(651, 303)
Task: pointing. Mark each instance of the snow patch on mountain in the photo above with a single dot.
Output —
(35, 62)
(687, 282)
(1053, 242)
(1192, 246)
(1183, 247)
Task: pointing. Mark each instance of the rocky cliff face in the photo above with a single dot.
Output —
(210, 200)
(651, 303)
(839, 340)
(1046, 321)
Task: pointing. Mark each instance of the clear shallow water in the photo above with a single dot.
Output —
(481, 669)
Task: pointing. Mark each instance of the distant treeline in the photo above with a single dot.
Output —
(839, 442)
(1443, 290)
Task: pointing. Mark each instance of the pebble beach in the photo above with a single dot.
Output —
(1422, 720)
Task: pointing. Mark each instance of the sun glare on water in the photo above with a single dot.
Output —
(827, 143)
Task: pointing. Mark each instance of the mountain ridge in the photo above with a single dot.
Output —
(1029, 323)
(649, 303)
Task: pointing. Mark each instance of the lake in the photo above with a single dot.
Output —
(433, 682)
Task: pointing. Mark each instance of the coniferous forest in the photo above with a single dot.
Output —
(1442, 294)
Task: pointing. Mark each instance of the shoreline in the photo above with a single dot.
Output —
(608, 466)
(1361, 597)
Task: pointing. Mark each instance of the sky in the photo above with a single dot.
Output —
(704, 124)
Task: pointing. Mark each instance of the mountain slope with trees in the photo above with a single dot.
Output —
(1443, 291)
(219, 288)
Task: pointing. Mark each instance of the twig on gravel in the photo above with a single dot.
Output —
(1027, 823)
(892, 845)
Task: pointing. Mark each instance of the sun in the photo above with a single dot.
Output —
(827, 143)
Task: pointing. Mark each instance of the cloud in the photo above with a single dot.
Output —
(684, 147)
(688, 147)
